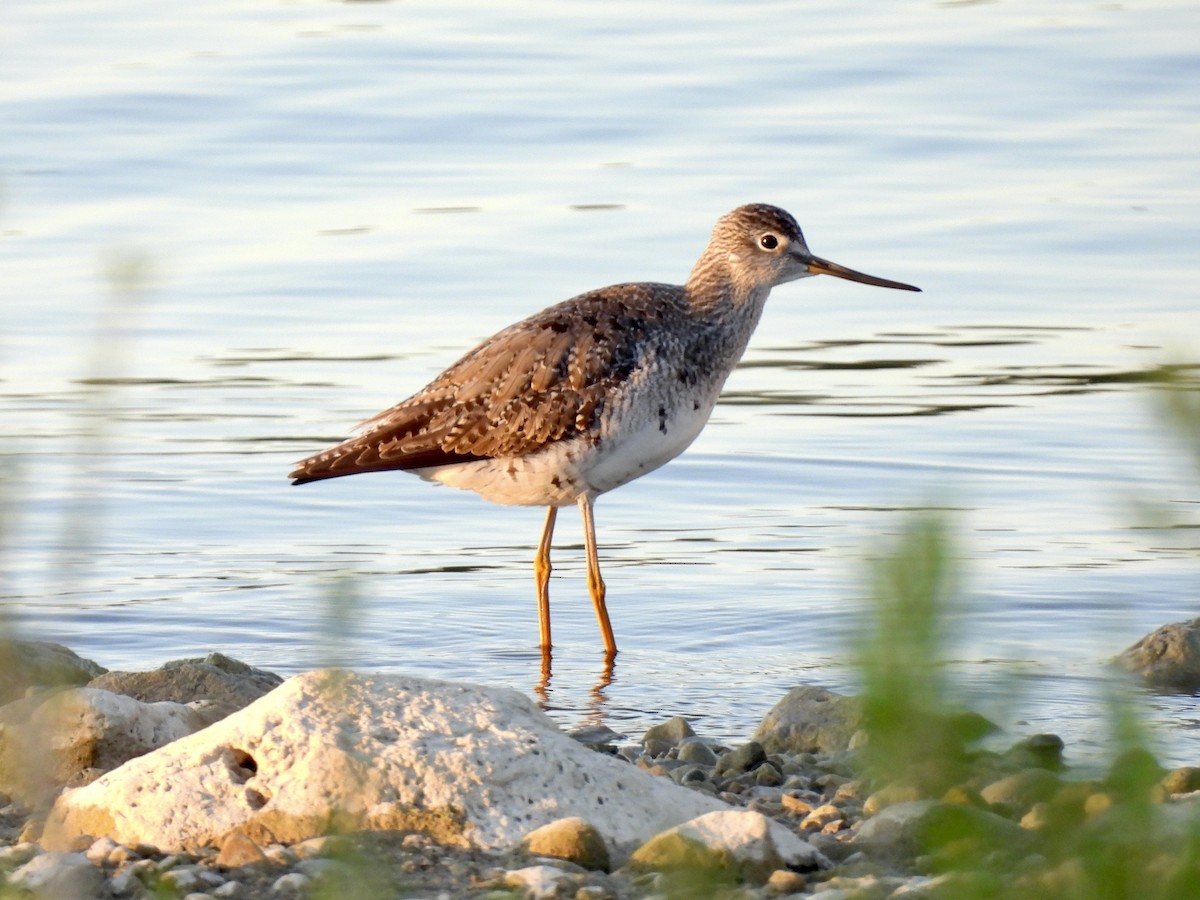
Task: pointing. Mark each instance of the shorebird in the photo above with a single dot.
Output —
(591, 393)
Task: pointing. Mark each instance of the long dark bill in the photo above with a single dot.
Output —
(819, 266)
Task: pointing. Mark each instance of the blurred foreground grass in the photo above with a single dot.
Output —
(1111, 838)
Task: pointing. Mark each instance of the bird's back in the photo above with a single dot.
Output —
(548, 378)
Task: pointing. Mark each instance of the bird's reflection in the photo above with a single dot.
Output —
(598, 699)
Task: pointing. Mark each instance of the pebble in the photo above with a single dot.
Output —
(18, 854)
(785, 881)
(541, 882)
(794, 806)
(239, 850)
(671, 732)
(742, 759)
(822, 816)
(101, 850)
(58, 875)
(694, 750)
(186, 879)
(293, 884)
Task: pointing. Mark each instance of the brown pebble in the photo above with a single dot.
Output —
(237, 850)
(1183, 780)
(785, 881)
(794, 806)
(1096, 804)
(31, 832)
(820, 817)
(571, 839)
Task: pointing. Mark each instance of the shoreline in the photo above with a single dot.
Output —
(804, 771)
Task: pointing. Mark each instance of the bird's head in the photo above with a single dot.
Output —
(763, 246)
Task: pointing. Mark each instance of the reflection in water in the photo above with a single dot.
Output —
(595, 713)
(974, 387)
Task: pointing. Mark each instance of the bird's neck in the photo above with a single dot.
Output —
(716, 292)
(726, 307)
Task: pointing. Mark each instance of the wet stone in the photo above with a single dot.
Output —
(767, 775)
(742, 759)
(293, 884)
(671, 732)
(1183, 780)
(694, 750)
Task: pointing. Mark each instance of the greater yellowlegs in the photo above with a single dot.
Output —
(591, 393)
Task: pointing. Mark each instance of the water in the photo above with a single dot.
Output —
(320, 205)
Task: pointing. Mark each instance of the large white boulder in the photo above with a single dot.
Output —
(474, 766)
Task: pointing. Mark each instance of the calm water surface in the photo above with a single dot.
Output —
(313, 207)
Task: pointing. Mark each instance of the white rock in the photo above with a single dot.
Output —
(474, 766)
(894, 822)
(322, 869)
(292, 884)
(18, 854)
(740, 840)
(58, 876)
(540, 882)
(124, 881)
(101, 850)
(51, 738)
(186, 879)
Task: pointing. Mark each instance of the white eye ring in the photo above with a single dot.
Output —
(769, 241)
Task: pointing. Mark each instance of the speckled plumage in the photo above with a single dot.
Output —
(591, 393)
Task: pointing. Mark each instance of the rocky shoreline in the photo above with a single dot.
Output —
(208, 778)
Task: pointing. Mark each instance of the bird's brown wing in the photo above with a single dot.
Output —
(542, 380)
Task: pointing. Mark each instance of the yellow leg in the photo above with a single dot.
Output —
(595, 582)
(541, 575)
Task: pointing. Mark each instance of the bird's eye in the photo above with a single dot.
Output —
(768, 241)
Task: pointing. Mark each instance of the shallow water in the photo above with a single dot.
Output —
(317, 206)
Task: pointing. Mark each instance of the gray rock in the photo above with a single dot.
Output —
(694, 750)
(1167, 658)
(100, 850)
(217, 684)
(598, 737)
(1021, 790)
(726, 844)
(896, 824)
(18, 854)
(1044, 751)
(889, 795)
(672, 732)
(571, 839)
(58, 876)
(745, 758)
(810, 719)
(541, 882)
(688, 773)
(922, 826)
(183, 879)
(767, 775)
(293, 884)
(26, 664)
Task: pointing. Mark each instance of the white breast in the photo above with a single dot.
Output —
(632, 448)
